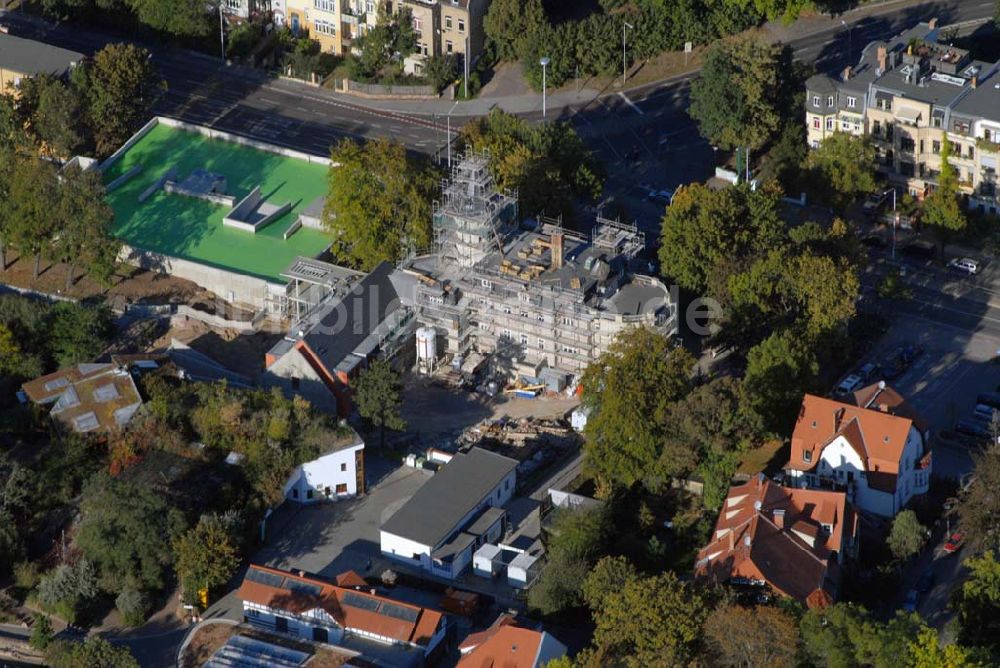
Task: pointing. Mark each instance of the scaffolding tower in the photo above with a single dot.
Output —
(473, 216)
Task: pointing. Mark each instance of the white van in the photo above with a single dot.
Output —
(966, 264)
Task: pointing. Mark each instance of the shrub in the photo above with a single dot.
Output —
(133, 606)
(41, 632)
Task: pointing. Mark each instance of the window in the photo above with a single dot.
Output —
(816, 122)
(325, 5)
(295, 493)
(461, 25)
(845, 125)
(325, 28)
(829, 124)
(447, 22)
(541, 344)
(807, 456)
(524, 339)
(852, 102)
(343, 466)
(505, 334)
(935, 147)
(921, 145)
(523, 296)
(972, 153)
(449, 47)
(486, 283)
(417, 24)
(295, 382)
(815, 100)
(369, 7)
(309, 494)
(506, 484)
(829, 101)
(342, 488)
(936, 121)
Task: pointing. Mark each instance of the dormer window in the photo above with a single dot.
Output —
(807, 456)
(852, 102)
(815, 100)
(829, 101)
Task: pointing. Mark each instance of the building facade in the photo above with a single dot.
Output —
(339, 473)
(545, 297)
(910, 95)
(874, 449)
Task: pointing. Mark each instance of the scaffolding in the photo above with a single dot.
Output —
(473, 217)
(618, 238)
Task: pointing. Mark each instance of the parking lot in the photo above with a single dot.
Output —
(942, 384)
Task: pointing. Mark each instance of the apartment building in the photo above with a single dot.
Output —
(547, 297)
(322, 21)
(446, 27)
(245, 9)
(911, 94)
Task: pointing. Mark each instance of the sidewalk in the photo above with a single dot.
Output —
(560, 101)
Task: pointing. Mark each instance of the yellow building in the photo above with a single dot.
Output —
(319, 20)
(21, 58)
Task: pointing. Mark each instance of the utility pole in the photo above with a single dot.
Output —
(449, 138)
(895, 220)
(222, 35)
(466, 59)
(625, 25)
(544, 62)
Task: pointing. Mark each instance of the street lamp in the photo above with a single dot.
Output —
(850, 40)
(544, 62)
(895, 219)
(625, 25)
(222, 35)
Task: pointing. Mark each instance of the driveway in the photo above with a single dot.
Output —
(331, 537)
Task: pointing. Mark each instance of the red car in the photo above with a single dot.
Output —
(954, 543)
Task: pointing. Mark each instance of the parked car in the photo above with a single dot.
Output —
(873, 203)
(910, 604)
(972, 428)
(991, 399)
(894, 364)
(848, 385)
(983, 412)
(964, 264)
(954, 542)
(926, 581)
(869, 371)
(920, 250)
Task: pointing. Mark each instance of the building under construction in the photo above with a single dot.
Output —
(543, 302)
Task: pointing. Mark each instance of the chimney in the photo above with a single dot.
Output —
(846, 73)
(556, 249)
(838, 417)
(882, 58)
(883, 407)
(974, 81)
(732, 540)
(779, 518)
(932, 24)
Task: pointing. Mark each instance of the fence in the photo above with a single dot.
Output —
(387, 90)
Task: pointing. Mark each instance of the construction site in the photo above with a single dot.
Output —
(539, 301)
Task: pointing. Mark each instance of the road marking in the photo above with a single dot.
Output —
(630, 103)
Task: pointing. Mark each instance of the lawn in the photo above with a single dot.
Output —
(192, 229)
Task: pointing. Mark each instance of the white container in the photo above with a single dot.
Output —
(426, 344)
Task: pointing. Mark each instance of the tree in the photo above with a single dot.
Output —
(378, 207)
(846, 635)
(779, 370)
(177, 17)
(734, 99)
(126, 529)
(381, 49)
(980, 504)
(941, 208)
(57, 118)
(843, 168)
(132, 605)
(577, 539)
(609, 575)
(763, 636)
(32, 217)
(440, 70)
(927, 651)
(68, 588)
(121, 85)
(85, 237)
(94, 651)
(704, 229)
(205, 556)
(978, 603)
(652, 621)
(509, 22)
(77, 333)
(41, 632)
(629, 390)
(377, 396)
(549, 165)
(907, 536)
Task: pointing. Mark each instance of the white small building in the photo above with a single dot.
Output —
(522, 570)
(307, 607)
(339, 473)
(875, 449)
(487, 561)
(453, 514)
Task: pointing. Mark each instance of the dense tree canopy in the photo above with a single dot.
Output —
(121, 85)
(941, 209)
(206, 555)
(980, 504)
(978, 604)
(735, 98)
(779, 371)
(548, 165)
(630, 389)
(378, 206)
(577, 539)
(843, 167)
(759, 637)
(382, 48)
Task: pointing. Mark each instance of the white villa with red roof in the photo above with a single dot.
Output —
(874, 449)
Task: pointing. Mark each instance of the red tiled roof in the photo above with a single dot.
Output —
(331, 599)
(505, 646)
(795, 558)
(878, 436)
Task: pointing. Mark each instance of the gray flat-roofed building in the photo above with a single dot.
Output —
(454, 513)
(20, 57)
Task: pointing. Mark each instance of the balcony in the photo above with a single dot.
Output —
(988, 145)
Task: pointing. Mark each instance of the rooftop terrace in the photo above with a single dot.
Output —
(191, 228)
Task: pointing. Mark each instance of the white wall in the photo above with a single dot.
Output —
(410, 551)
(300, 625)
(325, 473)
